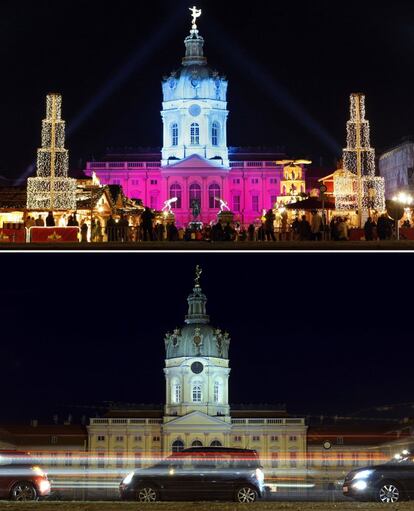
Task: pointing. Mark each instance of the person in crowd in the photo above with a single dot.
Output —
(93, 230)
(160, 229)
(228, 232)
(50, 220)
(251, 232)
(84, 232)
(369, 229)
(406, 224)
(75, 220)
(316, 226)
(123, 226)
(296, 228)
(261, 232)
(334, 229)
(207, 233)
(342, 229)
(305, 231)
(181, 233)
(243, 234)
(110, 229)
(62, 221)
(269, 225)
(172, 232)
(147, 218)
(98, 232)
(383, 227)
(39, 221)
(70, 221)
(30, 222)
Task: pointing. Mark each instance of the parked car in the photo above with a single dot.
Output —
(197, 473)
(389, 483)
(20, 479)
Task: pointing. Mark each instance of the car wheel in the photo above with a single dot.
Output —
(246, 494)
(389, 492)
(23, 491)
(147, 494)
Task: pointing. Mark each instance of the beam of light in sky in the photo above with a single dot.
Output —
(135, 62)
(279, 94)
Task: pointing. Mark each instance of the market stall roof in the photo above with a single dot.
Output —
(310, 203)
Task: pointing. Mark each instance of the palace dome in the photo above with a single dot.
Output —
(197, 338)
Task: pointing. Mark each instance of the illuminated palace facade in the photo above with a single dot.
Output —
(197, 411)
(195, 163)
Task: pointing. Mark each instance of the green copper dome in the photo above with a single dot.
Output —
(197, 338)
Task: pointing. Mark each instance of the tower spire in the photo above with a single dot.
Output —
(194, 42)
(197, 300)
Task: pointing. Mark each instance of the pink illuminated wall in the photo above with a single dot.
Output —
(249, 187)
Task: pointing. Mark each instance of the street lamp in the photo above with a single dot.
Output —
(405, 200)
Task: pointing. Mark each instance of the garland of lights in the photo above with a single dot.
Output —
(52, 189)
(357, 187)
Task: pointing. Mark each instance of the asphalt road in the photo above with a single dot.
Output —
(279, 246)
(202, 506)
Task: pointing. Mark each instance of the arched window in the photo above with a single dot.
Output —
(175, 191)
(174, 134)
(213, 194)
(177, 446)
(196, 392)
(215, 130)
(216, 443)
(197, 443)
(195, 134)
(195, 193)
(217, 392)
(176, 392)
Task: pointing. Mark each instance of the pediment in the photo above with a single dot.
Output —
(194, 161)
(197, 419)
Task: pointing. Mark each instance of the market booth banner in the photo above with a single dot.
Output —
(54, 234)
(12, 235)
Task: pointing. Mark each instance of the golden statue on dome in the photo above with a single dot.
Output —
(196, 13)
(198, 272)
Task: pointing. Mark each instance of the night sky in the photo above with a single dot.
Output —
(323, 333)
(291, 68)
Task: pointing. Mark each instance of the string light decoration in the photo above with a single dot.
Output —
(52, 189)
(357, 187)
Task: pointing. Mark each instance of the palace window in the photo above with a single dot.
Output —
(273, 181)
(153, 202)
(175, 191)
(174, 134)
(196, 392)
(216, 443)
(340, 440)
(195, 134)
(119, 438)
(195, 193)
(197, 443)
(213, 194)
(215, 128)
(101, 438)
(217, 396)
(137, 438)
(293, 438)
(255, 438)
(176, 393)
(153, 181)
(155, 438)
(177, 446)
(237, 438)
(134, 182)
(236, 181)
(236, 203)
(54, 440)
(116, 181)
(274, 438)
(255, 203)
(255, 181)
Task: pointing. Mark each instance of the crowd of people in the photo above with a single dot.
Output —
(149, 229)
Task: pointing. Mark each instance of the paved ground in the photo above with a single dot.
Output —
(203, 506)
(221, 246)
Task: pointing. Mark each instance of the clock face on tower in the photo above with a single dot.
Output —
(197, 367)
(195, 110)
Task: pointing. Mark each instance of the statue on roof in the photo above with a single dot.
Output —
(196, 13)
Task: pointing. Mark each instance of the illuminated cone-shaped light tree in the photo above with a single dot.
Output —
(52, 189)
(357, 187)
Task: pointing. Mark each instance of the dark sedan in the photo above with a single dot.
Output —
(197, 474)
(388, 483)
